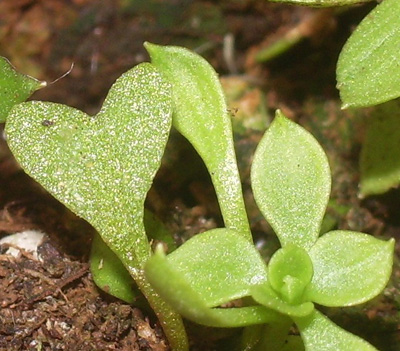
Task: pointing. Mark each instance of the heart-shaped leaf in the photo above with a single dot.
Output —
(101, 167)
(291, 182)
(14, 87)
(368, 70)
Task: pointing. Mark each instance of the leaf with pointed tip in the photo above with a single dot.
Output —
(320, 334)
(200, 115)
(14, 87)
(291, 182)
(349, 268)
(368, 70)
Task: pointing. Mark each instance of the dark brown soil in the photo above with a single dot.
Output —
(52, 304)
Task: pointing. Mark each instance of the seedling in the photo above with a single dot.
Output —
(102, 166)
(291, 184)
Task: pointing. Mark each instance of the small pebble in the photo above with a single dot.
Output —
(28, 240)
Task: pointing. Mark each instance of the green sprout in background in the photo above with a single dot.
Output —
(15, 87)
(368, 74)
(368, 69)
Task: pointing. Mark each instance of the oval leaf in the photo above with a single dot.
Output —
(220, 265)
(291, 182)
(201, 116)
(14, 87)
(320, 334)
(368, 71)
(349, 268)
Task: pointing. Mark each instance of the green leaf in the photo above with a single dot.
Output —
(265, 296)
(107, 270)
(289, 271)
(102, 167)
(294, 343)
(320, 334)
(156, 230)
(109, 273)
(14, 87)
(273, 336)
(185, 297)
(201, 116)
(321, 3)
(380, 154)
(368, 71)
(349, 268)
(291, 182)
(220, 265)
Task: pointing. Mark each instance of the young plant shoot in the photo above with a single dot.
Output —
(291, 184)
(201, 115)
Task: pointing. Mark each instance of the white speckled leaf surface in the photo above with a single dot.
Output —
(368, 69)
(102, 166)
(291, 182)
(200, 114)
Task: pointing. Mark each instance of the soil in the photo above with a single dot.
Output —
(52, 303)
